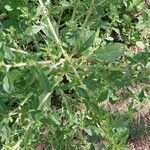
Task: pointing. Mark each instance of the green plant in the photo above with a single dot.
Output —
(61, 62)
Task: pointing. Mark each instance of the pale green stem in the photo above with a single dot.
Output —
(20, 65)
(17, 48)
(59, 20)
(44, 100)
(58, 42)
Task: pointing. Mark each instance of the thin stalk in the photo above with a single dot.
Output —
(21, 65)
(17, 48)
(18, 51)
(44, 100)
(59, 20)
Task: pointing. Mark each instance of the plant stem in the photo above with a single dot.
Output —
(44, 100)
(58, 42)
(60, 17)
(47, 62)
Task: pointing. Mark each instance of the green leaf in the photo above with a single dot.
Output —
(42, 78)
(88, 131)
(82, 93)
(140, 44)
(110, 52)
(43, 81)
(142, 95)
(8, 8)
(87, 43)
(6, 85)
(127, 19)
(8, 54)
(112, 97)
(103, 96)
(92, 82)
(55, 120)
(34, 29)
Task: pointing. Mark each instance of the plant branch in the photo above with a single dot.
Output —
(60, 17)
(20, 65)
(58, 42)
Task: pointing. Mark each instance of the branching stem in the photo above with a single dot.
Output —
(20, 65)
(58, 42)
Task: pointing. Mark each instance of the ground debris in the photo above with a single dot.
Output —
(143, 143)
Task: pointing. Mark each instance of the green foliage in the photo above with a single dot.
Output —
(61, 61)
(110, 52)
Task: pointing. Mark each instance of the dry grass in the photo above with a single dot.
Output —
(142, 143)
